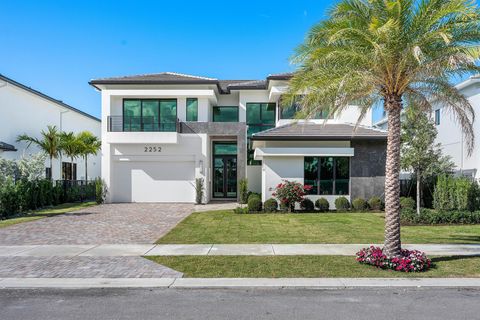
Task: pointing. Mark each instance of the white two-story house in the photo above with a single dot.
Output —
(162, 131)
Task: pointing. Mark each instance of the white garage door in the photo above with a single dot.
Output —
(153, 181)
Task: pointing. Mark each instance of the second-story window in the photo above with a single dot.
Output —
(192, 109)
(225, 114)
(149, 115)
(437, 117)
(260, 117)
(290, 111)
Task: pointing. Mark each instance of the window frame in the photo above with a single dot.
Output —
(141, 112)
(236, 107)
(186, 109)
(437, 117)
(334, 179)
(250, 160)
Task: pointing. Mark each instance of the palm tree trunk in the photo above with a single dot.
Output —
(392, 246)
(418, 192)
(71, 170)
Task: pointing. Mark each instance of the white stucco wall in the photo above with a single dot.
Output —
(25, 112)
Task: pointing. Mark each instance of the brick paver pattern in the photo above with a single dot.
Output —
(83, 267)
(120, 223)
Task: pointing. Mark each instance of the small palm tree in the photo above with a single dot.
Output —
(70, 146)
(388, 51)
(49, 143)
(90, 145)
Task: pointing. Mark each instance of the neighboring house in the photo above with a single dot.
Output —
(450, 135)
(162, 131)
(25, 110)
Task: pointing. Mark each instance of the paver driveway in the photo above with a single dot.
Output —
(105, 224)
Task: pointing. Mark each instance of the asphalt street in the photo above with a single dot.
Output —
(213, 304)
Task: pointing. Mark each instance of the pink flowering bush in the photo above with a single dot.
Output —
(409, 260)
(290, 192)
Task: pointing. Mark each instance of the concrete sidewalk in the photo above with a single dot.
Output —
(119, 250)
(241, 283)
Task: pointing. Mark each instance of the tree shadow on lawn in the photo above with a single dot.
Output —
(452, 258)
(466, 238)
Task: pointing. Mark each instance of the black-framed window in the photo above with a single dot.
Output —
(48, 173)
(260, 117)
(290, 111)
(327, 175)
(150, 115)
(69, 171)
(437, 117)
(192, 109)
(225, 114)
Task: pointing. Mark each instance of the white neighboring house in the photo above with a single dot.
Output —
(162, 131)
(450, 135)
(25, 110)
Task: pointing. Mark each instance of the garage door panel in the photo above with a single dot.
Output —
(154, 182)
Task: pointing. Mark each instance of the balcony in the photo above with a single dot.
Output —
(141, 130)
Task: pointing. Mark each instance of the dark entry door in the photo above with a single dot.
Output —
(224, 171)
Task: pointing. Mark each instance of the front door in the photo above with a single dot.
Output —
(224, 170)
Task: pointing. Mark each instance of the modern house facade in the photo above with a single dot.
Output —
(162, 131)
(28, 111)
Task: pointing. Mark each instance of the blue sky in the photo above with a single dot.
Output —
(58, 46)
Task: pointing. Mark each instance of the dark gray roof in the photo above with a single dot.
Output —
(224, 86)
(44, 96)
(6, 147)
(313, 131)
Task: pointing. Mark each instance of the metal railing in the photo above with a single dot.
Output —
(140, 124)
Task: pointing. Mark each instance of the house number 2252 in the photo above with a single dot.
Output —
(152, 149)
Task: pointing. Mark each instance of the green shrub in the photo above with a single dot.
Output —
(254, 204)
(429, 216)
(407, 203)
(342, 204)
(100, 191)
(253, 195)
(359, 204)
(271, 205)
(199, 187)
(307, 205)
(461, 192)
(243, 190)
(375, 203)
(240, 210)
(444, 195)
(322, 204)
(474, 197)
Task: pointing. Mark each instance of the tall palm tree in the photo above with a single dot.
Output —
(70, 146)
(370, 51)
(90, 145)
(49, 143)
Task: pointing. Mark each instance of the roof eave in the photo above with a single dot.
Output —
(320, 138)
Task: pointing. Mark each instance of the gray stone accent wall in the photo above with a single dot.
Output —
(236, 130)
(367, 169)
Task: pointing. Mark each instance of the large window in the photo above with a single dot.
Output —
(69, 171)
(149, 115)
(192, 109)
(260, 117)
(225, 114)
(290, 111)
(327, 175)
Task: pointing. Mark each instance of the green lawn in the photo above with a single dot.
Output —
(307, 267)
(228, 227)
(47, 212)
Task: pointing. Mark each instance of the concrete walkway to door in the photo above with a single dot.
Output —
(122, 223)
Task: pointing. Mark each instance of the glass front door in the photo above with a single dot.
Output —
(224, 170)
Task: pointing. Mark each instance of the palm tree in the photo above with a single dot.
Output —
(70, 146)
(90, 145)
(371, 51)
(49, 143)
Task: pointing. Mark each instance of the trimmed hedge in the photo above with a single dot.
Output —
(322, 204)
(407, 203)
(375, 203)
(429, 216)
(254, 204)
(271, 205)
(342, 204)
(359, 204)
(307, 205)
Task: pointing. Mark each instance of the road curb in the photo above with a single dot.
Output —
(239, 283)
